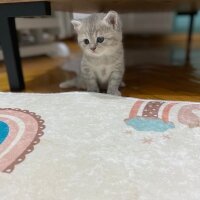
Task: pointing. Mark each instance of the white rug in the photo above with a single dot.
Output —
(81, 146)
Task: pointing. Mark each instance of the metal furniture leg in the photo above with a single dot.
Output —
(8, 36)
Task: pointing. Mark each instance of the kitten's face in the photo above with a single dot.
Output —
(99, 34)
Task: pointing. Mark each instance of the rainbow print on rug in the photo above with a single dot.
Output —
(89, 146)
(20, 130)
(155, 116)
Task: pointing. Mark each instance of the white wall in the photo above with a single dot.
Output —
(154, 23)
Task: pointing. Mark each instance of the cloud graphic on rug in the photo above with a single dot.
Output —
(146, 116)
(148, 124)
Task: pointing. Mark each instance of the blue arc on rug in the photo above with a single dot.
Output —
(4, 130)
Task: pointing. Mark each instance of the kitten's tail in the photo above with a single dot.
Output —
(69, 83)
(75, 82)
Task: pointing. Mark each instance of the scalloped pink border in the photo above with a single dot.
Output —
(35, 141)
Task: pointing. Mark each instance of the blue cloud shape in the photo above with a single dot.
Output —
(149, 124)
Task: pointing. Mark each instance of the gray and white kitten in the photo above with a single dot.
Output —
(102, 66)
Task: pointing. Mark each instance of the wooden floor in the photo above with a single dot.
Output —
(155, 70)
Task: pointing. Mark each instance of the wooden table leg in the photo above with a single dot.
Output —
(8, 37)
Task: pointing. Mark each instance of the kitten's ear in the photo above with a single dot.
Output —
(76, 24)
(112, 19)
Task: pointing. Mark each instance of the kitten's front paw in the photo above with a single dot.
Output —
(115, 92)
(93, 89)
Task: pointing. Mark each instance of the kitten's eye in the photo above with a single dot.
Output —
(100, 39)
(86, 41)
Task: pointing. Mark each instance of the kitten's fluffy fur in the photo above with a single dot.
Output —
(102, 68)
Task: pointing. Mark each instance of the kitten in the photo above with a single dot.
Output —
(102, 66)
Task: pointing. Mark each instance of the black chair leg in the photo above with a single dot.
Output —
(8, 36)
(10, 49)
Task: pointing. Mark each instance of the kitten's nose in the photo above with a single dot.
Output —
(93, 48)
